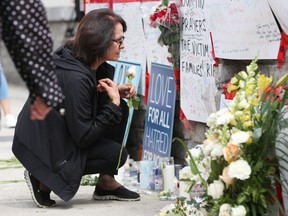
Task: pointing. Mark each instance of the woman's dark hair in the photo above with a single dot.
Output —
(94, 34)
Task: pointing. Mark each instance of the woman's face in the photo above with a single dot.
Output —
(117, 44)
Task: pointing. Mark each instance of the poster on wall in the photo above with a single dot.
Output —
(243, 29)
(196, 64)
(280, 9)
(160, 109)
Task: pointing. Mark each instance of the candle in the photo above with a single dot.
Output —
(168, 177)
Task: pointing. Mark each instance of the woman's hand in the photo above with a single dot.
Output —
(111, 89)
(39, 109)
(127, 90)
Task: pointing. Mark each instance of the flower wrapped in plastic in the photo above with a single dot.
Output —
(166, 17)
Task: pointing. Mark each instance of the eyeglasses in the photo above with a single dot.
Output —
(119, 41)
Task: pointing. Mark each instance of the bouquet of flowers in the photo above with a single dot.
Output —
(166, 18)
(242, 146)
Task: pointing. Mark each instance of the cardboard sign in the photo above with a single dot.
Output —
(159, 114)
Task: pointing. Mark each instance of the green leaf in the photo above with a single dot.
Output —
(136, 102)
(216, 170)
(130, 103)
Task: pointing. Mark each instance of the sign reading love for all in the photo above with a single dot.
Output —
(159, 114)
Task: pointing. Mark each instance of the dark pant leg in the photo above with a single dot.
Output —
(103, 157)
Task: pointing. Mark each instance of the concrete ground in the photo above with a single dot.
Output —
(15, 199)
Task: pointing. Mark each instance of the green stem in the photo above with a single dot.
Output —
(122, 146)
(165, 2)
(192, 162)
(120, 156)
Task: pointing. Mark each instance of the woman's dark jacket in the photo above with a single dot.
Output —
(53, 150)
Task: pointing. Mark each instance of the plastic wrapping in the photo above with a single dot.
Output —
(167, 19)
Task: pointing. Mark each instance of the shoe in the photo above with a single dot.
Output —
(121, 194)
(10, 121)
(40, 198)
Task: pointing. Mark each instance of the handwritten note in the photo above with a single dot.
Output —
(243, 29)
(197, 70)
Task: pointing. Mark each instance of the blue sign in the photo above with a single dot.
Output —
(120, 77)
(159, 114)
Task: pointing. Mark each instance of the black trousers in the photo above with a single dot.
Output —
(104, 155)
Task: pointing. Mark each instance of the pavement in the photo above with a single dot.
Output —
(15, 198)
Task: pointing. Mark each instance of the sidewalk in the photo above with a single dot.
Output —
(15, 199)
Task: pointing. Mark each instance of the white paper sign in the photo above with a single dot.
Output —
(243, 29)
(280, 9)
(197, 71)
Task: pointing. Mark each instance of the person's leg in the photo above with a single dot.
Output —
(103, 157)
(10, 120)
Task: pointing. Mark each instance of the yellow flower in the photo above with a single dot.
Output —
(263, 83)
(248, 124)
(233, 85)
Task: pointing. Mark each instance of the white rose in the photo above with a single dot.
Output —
(216, 189)
(239, 137)
(131, 71)
(217, 151)
(196, 152)
(239, 211)
(225, 210)
(209, 145)
(239, 169)
(185, 173)
(211, 119)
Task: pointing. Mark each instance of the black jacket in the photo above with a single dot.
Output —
(53, 150)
